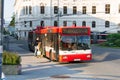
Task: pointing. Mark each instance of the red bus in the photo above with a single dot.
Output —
(66, 44)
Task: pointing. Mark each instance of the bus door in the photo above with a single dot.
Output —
(31, 40)
(56, 46)
(51, 46)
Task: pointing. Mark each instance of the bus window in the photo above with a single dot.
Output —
(83, 42)
(67, 42)
(75, 42)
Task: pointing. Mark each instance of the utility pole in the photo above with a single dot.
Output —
(51, 12)
(58, 15)
(1, 32)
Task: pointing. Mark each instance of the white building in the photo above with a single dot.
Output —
(100, 15)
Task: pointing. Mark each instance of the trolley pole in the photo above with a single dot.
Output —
(1, 32)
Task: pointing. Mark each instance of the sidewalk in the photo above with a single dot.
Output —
(39, 69)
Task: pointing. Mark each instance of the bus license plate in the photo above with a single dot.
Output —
(76, 59)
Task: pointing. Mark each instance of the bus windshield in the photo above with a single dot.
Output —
(75, 42)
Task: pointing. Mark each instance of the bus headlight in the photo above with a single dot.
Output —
(65, 57)
(88, 56)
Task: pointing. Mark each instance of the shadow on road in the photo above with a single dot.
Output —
(102, 54)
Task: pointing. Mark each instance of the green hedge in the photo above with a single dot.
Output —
(113, 40)
(10, 58)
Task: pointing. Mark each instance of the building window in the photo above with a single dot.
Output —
(93, 24)
(107, 8)
(26, 10)
(119, 8)
(23, 10)
(30, 23)
(65, 10)
(93, 9)
(119, 24)
(25, 24)
(83, 23)
(30, 10)
(25, 34)
(64, 23)
(55, 23)
(107, 24)
(74, 10)
(55, 9)
(42, 9)
(84, 10)
(42, 23)
(74, 23)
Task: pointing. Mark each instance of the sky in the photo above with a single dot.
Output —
(8, 9)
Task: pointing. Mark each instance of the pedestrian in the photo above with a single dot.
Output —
(39, 50)
(36, 44)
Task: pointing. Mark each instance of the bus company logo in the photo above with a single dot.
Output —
(76, 31)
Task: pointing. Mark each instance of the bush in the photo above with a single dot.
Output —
(113, 40)
(117, 42)
(10, 58)
(113, 37)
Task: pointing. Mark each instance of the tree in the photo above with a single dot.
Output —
(12, 22)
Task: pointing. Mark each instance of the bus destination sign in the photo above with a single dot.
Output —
(75, 31)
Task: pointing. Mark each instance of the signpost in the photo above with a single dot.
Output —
(1, 31)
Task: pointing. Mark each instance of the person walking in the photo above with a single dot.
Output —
(36, 44)
(39, 50)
